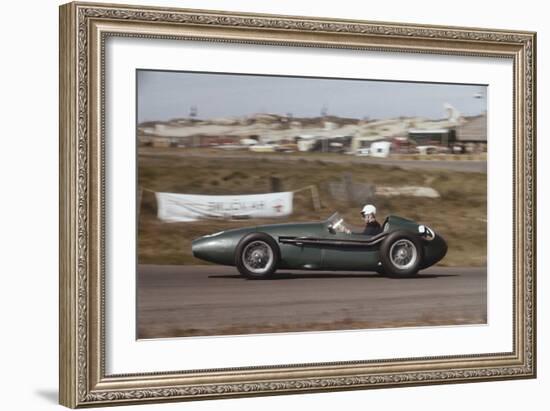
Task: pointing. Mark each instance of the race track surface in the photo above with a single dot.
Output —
(179, 301)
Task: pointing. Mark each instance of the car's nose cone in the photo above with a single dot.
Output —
(199, 248)
(440, 246)
(215, 248)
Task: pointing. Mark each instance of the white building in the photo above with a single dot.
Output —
(380, 149)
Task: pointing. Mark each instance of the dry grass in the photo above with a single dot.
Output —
(459, 215)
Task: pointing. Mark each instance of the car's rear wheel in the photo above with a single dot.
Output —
(257, 256)
(401, 254)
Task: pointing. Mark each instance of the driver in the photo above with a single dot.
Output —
(372, 227)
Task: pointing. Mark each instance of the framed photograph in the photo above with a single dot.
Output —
(260, 204)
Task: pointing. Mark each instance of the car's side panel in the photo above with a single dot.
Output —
(350, 258)
(295, 256)
(357, 256)
(300, 257)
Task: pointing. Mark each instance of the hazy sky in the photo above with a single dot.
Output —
(166, 95)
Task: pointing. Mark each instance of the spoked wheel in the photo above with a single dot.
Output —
(401, 254)
(257, 256)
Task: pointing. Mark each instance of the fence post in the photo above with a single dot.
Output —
(315, 197)
(138, 205)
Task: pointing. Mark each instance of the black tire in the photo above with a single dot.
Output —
(266, 248)
(411, 246)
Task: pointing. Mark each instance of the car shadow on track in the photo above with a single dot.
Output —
(293, 276)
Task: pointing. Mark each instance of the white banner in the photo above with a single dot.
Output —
(191, 207)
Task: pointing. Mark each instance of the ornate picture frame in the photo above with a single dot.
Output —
(84, 29)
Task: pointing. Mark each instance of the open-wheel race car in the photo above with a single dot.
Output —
(402, 248)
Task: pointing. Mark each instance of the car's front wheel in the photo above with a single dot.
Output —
(257, 256)
(401, 254)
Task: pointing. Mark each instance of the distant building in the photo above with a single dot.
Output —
(333, 144)
(380, 149)
(263, 148)
(212, 141)
(162, 142)
(472, 135)
(402, 145)
(469, 130)
(362, 142)
(437, 136)
(322, 134)
(474, 130)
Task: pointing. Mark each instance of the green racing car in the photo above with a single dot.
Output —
(402, 248)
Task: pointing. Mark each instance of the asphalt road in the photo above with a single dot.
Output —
(176, 301)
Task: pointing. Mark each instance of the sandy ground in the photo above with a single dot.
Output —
(177, 301)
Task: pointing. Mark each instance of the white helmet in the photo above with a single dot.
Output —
(368, 209)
